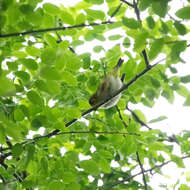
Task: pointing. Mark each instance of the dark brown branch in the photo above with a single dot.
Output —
(145, 171)
(116, 11)
(137, 119)
(83, 132)
(124, 87)
(137, 12)
(145, 58)
(126, 2)
(54, 29)
(120, 116)
(142, 170)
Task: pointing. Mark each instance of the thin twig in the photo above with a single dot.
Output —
(120, 116)
(145, 171)
(126, 2)
(124, 87)
(142, 170)
(116, 11)
(137, 12)
(54, 29)
(137, 119)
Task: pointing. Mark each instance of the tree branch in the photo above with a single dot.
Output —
(54, 29)
(126, 2)
(137, 12)
(124, 87)
(142, 170)
(137, 119)
(116, 11)
(83, 132)
(145, 171)
(120, 116)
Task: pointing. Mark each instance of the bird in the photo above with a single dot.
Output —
(110, 84)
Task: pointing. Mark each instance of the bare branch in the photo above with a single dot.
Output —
(126, 2)
(19, 34)
(137, 119)
(137, 12)
(120, 116)
(142, 170)
(116, 11)
(145, 171)
(124, 87)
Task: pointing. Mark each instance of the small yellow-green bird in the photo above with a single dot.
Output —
(108, 87)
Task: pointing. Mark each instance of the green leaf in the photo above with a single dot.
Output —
(150, 21)
(160, 7)
(67, 17)
(35, 98)
(51, 9)
(18, 115)
(144, 4)
(187, 101)
(74, 185)
(178, 161)
(2, 134)
(155, 83)
(184, 187)
(131, 23)
(126, 42)
(156, 48)
(58, 185)
(50, 40)
(183, 91)
(48, 56)
(129, 146)
(140, 115)
(80, 19)
(41, 85)
(26, 9)
(164, 28)
(53, 87)
(7, 87)
(98, 49)
(168, 94)
(68, 177)
(98, 2)
(140, 41)
(50, 73)
(95, 14)
(17, 149)
(30, 64)
(160, 118)
(90, 166)
(183, 13)
(44, 165)
(113, 54)
(105, 166)
(180, 28)
(33, 51)
(115, 37)
(69, 78)
(24, 76)
(73, 112)
(185, 79)
(176, 50)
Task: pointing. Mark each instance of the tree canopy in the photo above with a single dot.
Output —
(50, 137)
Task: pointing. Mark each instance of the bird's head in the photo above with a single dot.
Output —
(93, 100)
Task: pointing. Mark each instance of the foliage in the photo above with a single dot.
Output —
(45, 85)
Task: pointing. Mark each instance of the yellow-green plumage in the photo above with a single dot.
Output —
(108, 87)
